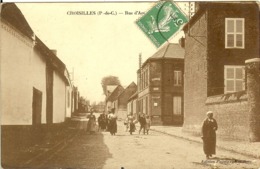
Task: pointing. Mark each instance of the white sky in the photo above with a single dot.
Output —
(95, 46)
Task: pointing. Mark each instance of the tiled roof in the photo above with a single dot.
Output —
(12, 14)
(133, 96)
(170, 50)
(115, 93)
(132, 84)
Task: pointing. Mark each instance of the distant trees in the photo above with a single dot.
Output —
(109, 80)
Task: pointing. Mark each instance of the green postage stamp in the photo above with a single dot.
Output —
(161, 22)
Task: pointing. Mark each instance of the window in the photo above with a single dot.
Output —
(177, 78)
(234, 78)
(177, 105)
(234, 32)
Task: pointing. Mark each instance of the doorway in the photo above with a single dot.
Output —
(36, 107)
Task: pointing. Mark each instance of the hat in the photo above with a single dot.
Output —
(209, 112)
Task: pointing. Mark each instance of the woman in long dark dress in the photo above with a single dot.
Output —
(102, 122)
(209, 128)
(91, 126)
(112, 126)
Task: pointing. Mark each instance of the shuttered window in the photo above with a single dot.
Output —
(234, 33)
(234, 78)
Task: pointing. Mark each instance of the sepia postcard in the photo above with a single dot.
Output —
(130, 84)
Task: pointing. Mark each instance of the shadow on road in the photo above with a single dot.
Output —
(84, 151)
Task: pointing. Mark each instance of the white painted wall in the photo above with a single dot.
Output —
(68, 101)
(38, 79)
(21, 70)
(59, 98)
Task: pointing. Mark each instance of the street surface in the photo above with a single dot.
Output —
(153, 151)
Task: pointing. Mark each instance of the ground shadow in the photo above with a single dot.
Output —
(84, 151)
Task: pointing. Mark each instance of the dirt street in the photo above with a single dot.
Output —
(153, 151)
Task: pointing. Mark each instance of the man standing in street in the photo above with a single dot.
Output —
(142, 122)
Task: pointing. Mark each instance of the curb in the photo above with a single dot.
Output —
(218, 146)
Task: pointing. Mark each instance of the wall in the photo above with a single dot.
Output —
(217, 53)
(68, 101)
(38, 79)
(169, 90)
(59, 99)
(21, 70)
(155, 90)
(231, 113)
(195, 75)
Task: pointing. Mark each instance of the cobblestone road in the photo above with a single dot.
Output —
(154, 151)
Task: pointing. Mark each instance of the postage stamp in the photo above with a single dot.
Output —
(161, 22)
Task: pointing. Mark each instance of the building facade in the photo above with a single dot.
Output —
(219, 38)
(34, 83)
(160, 86)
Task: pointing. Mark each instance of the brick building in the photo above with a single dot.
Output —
(219, 38)
(160, 85)
(122, 100)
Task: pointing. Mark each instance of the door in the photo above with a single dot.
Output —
(36, 107)
(177, 109)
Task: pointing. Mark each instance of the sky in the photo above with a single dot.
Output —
(93, 46)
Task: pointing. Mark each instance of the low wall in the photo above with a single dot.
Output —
(232, 113)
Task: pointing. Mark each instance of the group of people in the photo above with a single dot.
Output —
(108, 123)
(144, 120)
(105, 123)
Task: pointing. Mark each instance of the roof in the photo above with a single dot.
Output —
(110, 88)
(168, 51)
(115, 93)
(131, 84)
(134, 96)
(52, 59)
(12, 14)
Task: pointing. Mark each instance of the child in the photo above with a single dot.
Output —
(131, 124)
(148, 124)
(126, 124)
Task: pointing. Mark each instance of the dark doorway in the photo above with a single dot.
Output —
(36, 107)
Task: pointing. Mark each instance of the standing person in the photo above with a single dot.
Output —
(102, 122)
(148, 124)
(131, 124)
(142, 122)
(91, 126)
(126, 123)
(209, 128)
(112, 122)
